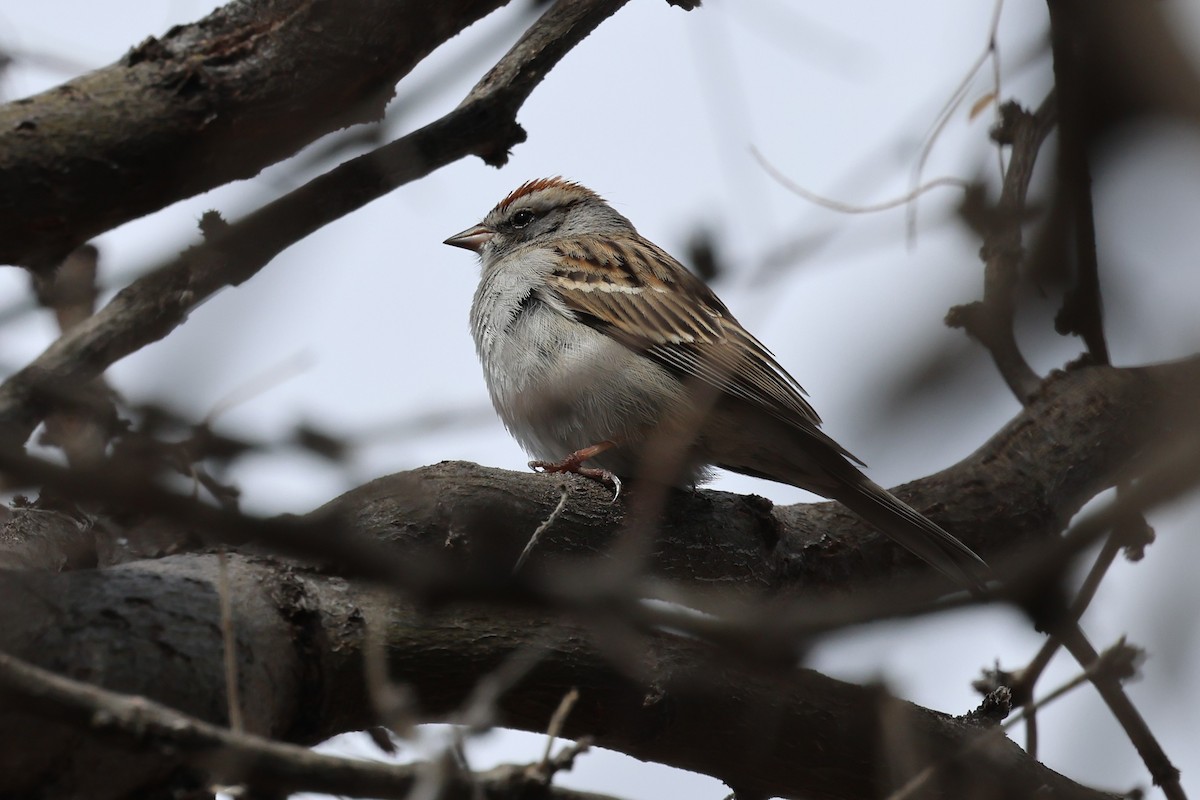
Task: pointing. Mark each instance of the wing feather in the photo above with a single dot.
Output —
(635, 292)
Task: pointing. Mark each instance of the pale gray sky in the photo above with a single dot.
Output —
(658, 111)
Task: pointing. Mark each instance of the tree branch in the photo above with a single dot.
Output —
(1084, 431)
(1082, 311)
(232, 758)
(298, 634)
(1162, 771)
(150, 308)
(990, 320)
(771, 731)
(206, 104)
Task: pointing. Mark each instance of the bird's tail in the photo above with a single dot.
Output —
(913, 531)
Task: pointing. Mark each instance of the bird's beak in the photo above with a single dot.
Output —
(472, 238)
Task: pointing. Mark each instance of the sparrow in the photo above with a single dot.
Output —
(605, 356)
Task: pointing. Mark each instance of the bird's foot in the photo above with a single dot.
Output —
(574, 463)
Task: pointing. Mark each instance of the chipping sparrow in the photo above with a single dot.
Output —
(598, 346)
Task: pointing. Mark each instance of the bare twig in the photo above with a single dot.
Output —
(82, 427)
(1028, 677)
(542, 528)
(990, 321)
(852, 208)
(271, 377)
(990, 51)
(1106, 661)
(1130, 532)
(554, 729)
(393, 704)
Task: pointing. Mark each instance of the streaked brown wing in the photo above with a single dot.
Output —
(637, 293)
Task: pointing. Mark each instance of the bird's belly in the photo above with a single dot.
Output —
(565, 387)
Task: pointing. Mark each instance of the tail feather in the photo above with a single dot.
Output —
(915, 532)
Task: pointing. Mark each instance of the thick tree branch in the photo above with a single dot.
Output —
(766, 732)
(233, 758)
(150, 308)
(1085, 430)
(206, 104)
(298, 634)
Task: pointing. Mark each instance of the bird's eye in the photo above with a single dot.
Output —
(522, 218)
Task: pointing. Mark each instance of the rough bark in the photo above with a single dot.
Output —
(203, 105)
(151, 627)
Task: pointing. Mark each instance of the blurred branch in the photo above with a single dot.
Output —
(464, 526)
(484, 124)
(771, 730)
(1108, 684)
(851, 208)
(82, 429)
(452, 532)
(234, 758)
(1132, 533)
(1086, 430)
(1082, 311)
(990, 321)
(991, 53)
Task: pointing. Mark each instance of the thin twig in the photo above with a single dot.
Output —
(546, 523)
(230, 757)
(393, 703)
(849, 208)
(557, 720)
(1033, 706)
(479, 710)
(1028, 677)
(82, 428)
(945, 114)
(273, 376)
(991, 734)
(990, 321)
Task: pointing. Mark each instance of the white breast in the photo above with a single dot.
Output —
(559, 385)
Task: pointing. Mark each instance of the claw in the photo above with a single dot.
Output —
(574, 463)
(616, 482)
